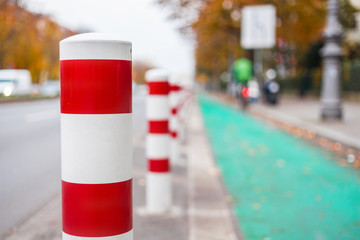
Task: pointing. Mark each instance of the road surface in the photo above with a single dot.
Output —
(30, 156)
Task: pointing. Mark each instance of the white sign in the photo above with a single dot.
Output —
(258, 26)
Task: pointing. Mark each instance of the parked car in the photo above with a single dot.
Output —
(51, 88)
(15, 82)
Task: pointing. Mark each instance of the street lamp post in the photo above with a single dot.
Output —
(332, 54)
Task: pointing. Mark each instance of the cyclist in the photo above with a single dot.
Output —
(241, 74)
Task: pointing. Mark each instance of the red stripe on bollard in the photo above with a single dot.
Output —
(161, 165)
(159, 88)
(97, 210)
(173, 134)
(160, 126)
(95, 86)
(175, 88)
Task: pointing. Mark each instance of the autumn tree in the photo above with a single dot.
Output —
(29, 41)
(139, 70)
(215, 25)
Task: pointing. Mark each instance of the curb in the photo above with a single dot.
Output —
(25, 99)
(263, 112)
(209, 215)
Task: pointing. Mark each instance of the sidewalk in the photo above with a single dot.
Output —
(198, 195)
(305, 114)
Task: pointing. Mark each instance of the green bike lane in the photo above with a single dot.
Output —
(282, 187)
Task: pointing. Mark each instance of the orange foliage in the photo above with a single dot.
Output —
(139, 69)
(29, 41)
(216, 27)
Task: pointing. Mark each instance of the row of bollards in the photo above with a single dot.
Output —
(96, 138)
(174, 124)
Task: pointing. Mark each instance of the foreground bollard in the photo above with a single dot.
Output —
(174, 123)
(158, 179)
(96, 137)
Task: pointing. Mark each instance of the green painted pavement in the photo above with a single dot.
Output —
(283, 187)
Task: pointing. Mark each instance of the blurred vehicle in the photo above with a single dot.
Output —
(35, 89)
(271, 87)
(242, 95)
(254, 90)
(241, 74)
(50, 88)
(15, 82)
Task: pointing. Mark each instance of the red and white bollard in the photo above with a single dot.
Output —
(158, 179)
(174, 123)
(182, 114)
(185, 98)
(96, 137)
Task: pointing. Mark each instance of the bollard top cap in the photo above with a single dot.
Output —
(95, 46)
(157, 75)
(95, 37)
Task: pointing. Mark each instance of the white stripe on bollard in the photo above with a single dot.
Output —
(158, 179)
(125, 236)
(81, 151)
(158, 192)
(96, 138)
(157, 107)
(155, 146)
(183, 106)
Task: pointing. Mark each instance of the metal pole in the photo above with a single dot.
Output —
(96, 137)
(332, 54)
(258, 69)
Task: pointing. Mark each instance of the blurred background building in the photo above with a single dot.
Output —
(354, 35)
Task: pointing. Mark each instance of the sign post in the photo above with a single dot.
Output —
(258, 27)
(258, 32)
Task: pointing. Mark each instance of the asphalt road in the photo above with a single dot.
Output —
(30, 156)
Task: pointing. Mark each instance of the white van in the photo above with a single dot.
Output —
(15, 82)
